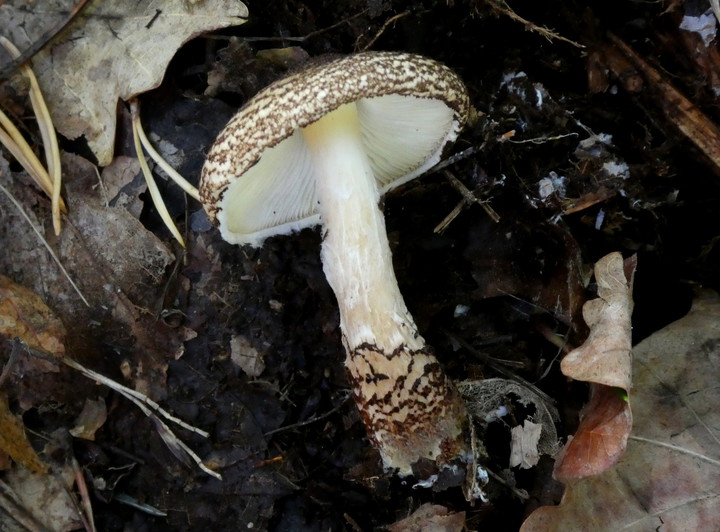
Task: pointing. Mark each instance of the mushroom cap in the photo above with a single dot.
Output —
(258, 180)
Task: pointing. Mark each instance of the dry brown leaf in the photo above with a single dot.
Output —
(430, 518)
(551, 281)
(669, 476)
(114, 178)
(113, 50)
(24, 315)
(601, 438)
(605, 357)
(112, 244)
(604, 360)
(14, 442)
(118, 264)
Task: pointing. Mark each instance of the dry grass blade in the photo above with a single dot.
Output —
(151, 409)
(134, 503)
(134, 396)
(679, 449)
(47, 132)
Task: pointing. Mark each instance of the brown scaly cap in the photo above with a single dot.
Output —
(304, 97)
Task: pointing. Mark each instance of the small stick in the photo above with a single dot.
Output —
(453, 159)
(521, 494)
(308, 421)
(86, 510)
(468, 199)
(503, 7)
(384, 27)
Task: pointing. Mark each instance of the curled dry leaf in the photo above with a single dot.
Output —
(605, 361)
(23, 315)
(500, 266)
(13, 440)
(115, 50)
(117, 263)
(604, 358)
(669, 477)
(601, 438)
(92, 417)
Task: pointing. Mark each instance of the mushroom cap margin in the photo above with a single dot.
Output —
(304, 97)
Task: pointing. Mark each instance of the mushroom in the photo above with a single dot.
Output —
(321, 146)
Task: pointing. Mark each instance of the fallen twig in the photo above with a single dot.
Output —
(308, 421)
(468, 199)
(502, 7)
(382, 29)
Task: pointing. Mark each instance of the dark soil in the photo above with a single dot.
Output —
(493, 286)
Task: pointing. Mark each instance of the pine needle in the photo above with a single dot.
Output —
(47, 132)
(162, 163)
(152, 186)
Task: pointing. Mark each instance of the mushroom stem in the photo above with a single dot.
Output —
(409, 407)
